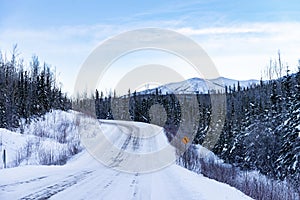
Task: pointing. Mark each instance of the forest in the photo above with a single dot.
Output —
(27, 92)
(260, 124)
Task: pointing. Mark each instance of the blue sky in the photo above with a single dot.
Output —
(41, 14)
(239, 36)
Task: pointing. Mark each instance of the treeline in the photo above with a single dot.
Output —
(26, 92)
(260, 130)
(167, 110)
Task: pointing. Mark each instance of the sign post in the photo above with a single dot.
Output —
(185, 140)
(4, 158)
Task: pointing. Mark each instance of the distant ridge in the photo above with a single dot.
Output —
(199, 85)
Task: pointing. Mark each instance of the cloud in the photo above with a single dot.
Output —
(238, 50)
(220, 30)
(241, 50)
(245, 28)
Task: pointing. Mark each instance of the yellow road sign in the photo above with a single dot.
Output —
(185, 140)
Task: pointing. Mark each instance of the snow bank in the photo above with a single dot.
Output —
(51, 139)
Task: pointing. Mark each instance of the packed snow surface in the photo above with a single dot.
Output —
(84, 177)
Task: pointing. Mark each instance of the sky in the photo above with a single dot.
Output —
(240, 37)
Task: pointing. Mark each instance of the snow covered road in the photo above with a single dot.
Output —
(83, 177)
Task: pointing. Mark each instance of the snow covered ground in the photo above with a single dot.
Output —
(47, 140)
(84, 177)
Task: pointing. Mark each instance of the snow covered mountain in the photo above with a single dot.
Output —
(199, 85)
